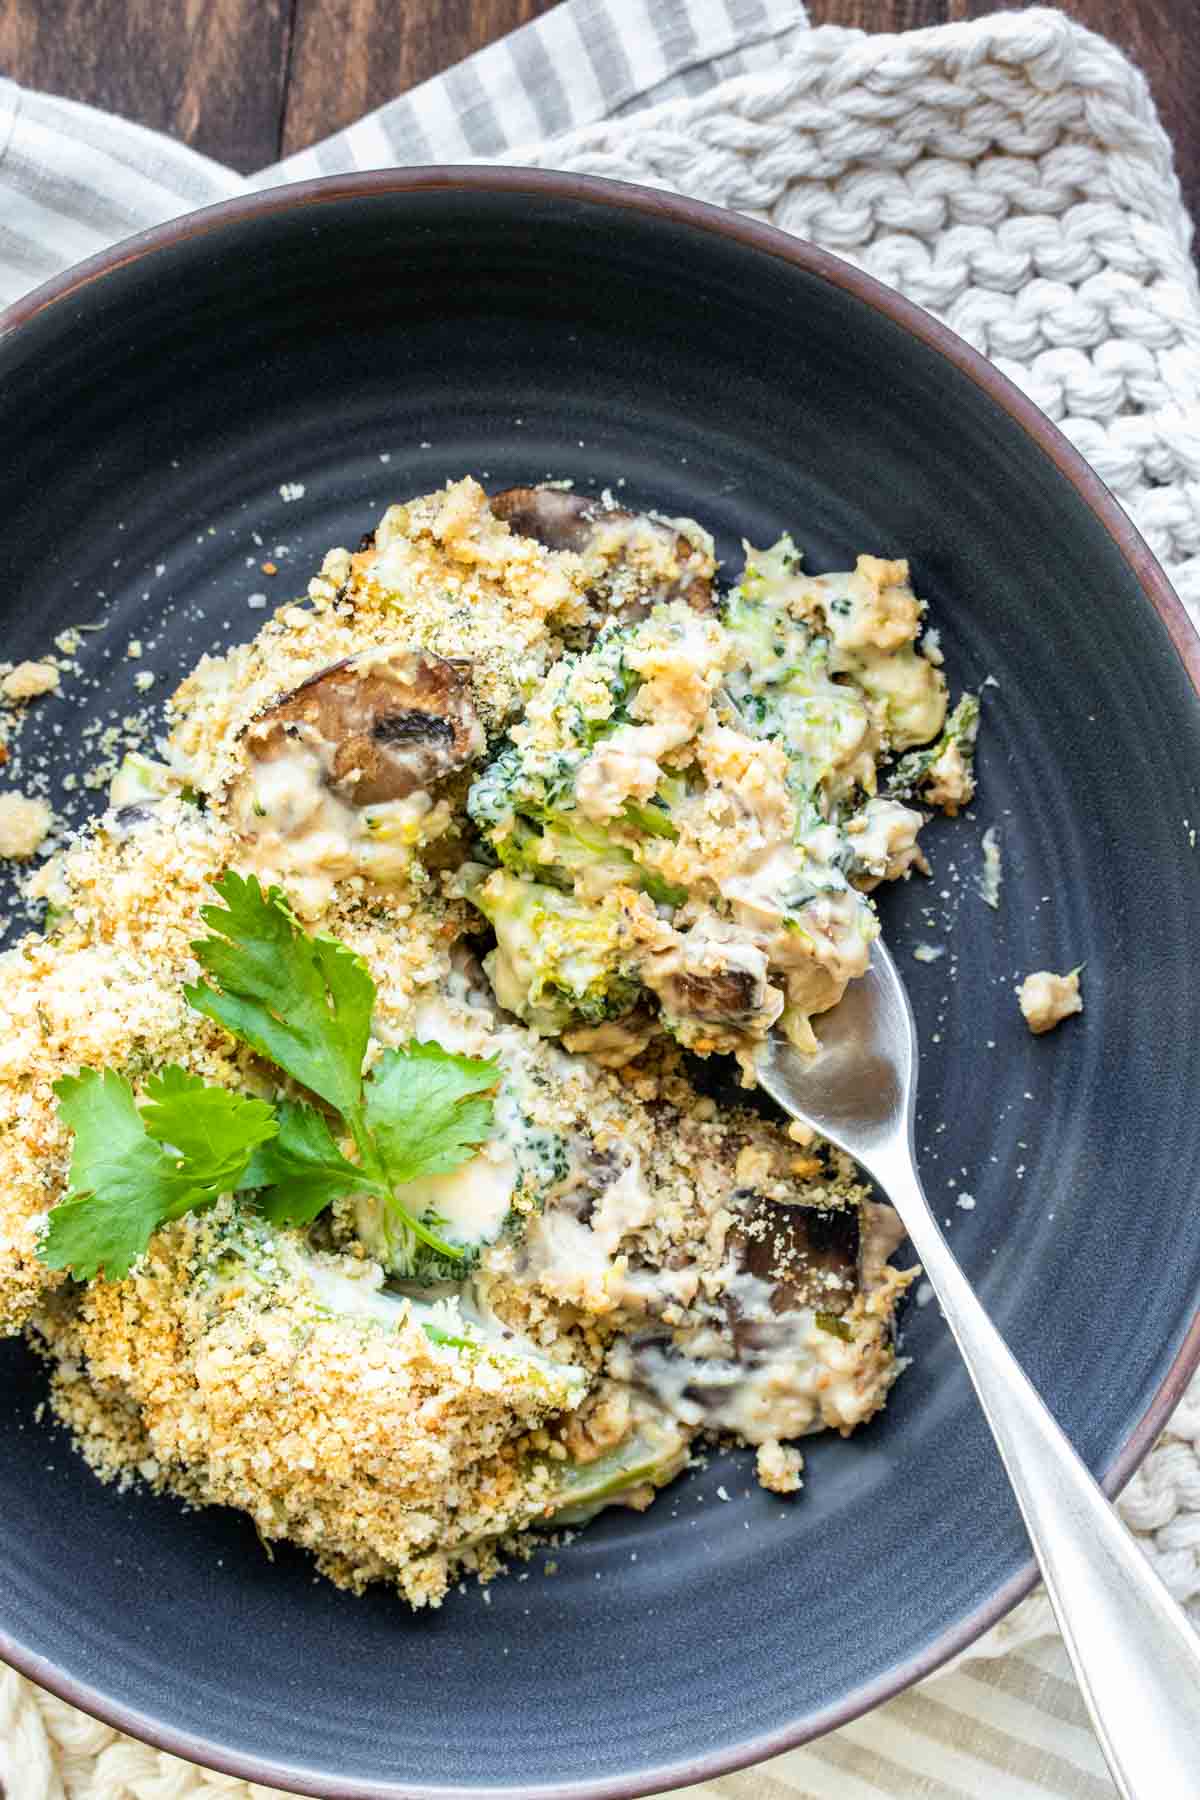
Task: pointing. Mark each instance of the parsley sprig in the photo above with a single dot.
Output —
(303, 1002)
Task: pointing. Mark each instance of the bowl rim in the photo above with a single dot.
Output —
(768, 240)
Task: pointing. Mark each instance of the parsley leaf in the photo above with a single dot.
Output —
(302, 1170)
(213, 1130)
(303, 1002)
(124, 1183)
(428, 1110)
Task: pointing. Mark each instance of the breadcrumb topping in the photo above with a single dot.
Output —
(666, 1272)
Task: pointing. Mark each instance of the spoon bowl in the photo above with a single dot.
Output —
(861, 1086)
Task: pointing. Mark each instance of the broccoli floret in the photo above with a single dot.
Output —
(524, 803)
(781, 688)
(651, 818)
(386, 1238)
(468, 1208)
(653, 1453)
(677, 811)
(557, 961)
(584, 699)
(566, 846)
(919, 771)
(246, 1264)
(519, 784)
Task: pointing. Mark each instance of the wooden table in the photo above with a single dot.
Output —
(248, 81)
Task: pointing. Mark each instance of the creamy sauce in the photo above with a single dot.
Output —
(448, 1311)
(297, 829)
(907, 687)
(582, 1261)
(802, 1378)
(472, 1201)
(626, 768)
(884, 837)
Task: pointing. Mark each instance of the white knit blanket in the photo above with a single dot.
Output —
(1011, 175)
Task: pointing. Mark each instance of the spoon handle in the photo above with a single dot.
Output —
(1136, 1657)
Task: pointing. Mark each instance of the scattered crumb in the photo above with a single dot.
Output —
(928, 953)
(133, 648)
(28, 680)
(269, 568)
(778, 1466)
(24, 824)
(291, 490)
(966, 1201)
(143, 680)
(993, 874)
(1046, 999)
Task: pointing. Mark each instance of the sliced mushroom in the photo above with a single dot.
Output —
(806, 1256)
(384, 724)
(721, 997)
(590, 1172)
(551, 516)
(633, 560)
(714, 983)
(735, 1371)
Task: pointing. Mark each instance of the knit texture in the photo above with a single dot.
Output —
(1011, 176)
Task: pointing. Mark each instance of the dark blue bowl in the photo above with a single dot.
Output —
(519, 323)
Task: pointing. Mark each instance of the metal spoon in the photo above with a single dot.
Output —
(1136, 1657)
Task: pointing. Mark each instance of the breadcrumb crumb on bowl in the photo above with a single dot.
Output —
(211, 407)
(25, 823)
(1046, 999)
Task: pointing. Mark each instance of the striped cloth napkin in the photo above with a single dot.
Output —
(1010, 175)
(73, 180)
